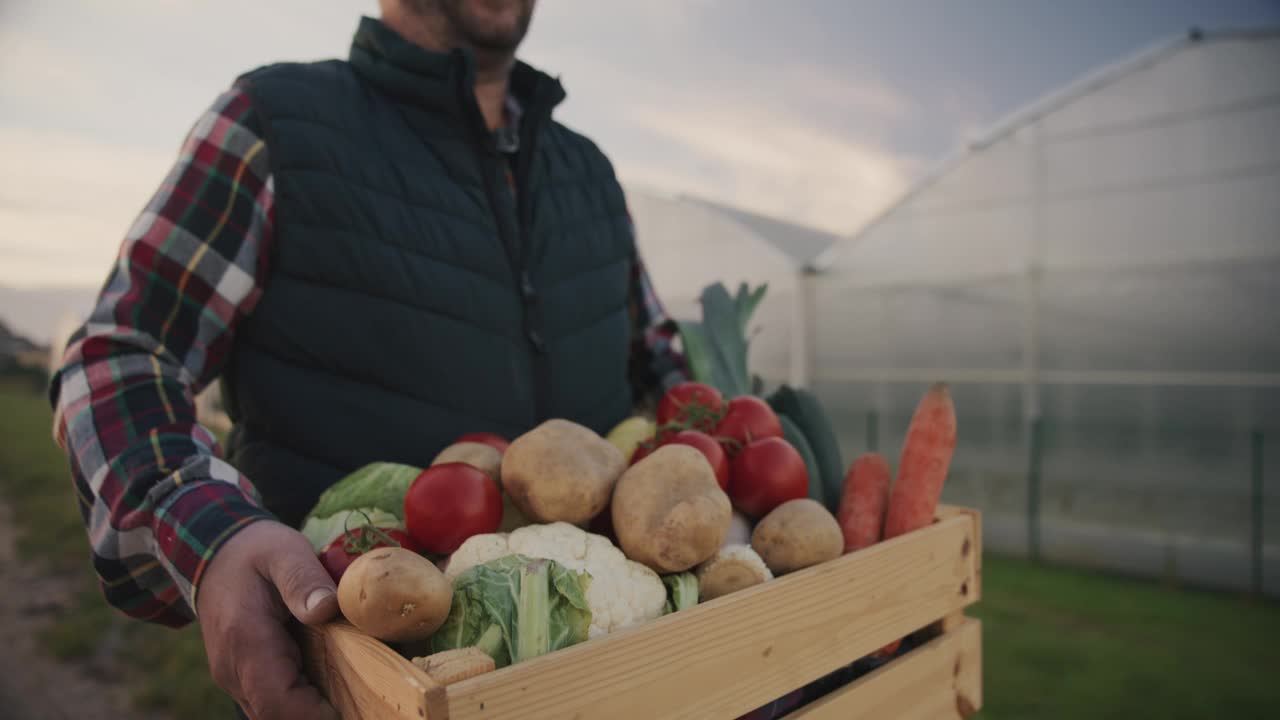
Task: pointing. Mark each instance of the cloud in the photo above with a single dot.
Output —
(66, 202)
(772, 162)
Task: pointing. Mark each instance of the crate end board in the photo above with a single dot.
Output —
(364, 679)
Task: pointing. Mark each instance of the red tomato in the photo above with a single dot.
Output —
(449, 503)
(709, 448)
(497, 442)
(647, 447)
(748, 418)
(352, 544)
(693, 403)
(767, 473)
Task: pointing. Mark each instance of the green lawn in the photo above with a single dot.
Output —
(165, 668)
(1058, 643)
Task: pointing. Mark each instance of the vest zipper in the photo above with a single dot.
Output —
(514, 240)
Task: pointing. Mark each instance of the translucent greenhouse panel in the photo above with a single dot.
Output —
(1192, 149)
(996, 175)
(1206, 318)
(1223, 72)
(687, 246)
(1155, 480)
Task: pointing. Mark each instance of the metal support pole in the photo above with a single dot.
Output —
(873, 431)
(1034, 453)
(1256, 540)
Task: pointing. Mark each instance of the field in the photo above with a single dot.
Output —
(1058, 643)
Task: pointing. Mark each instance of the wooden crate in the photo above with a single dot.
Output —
(724, 658)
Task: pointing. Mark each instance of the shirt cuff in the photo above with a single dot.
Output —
(194, 525)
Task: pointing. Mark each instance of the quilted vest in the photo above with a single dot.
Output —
(413, 294)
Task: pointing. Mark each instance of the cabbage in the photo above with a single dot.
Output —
(515, 608)
(682, 591)
(322, 531)
(374, 495)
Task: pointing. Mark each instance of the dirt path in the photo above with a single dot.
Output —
(33, 686)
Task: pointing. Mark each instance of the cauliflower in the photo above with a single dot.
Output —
(621, 592)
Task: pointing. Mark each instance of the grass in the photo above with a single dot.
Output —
(1062, 643)
(1058, 643)
(165, 668)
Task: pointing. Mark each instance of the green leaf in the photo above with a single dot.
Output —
(537, 606)
(682, 591)
(697, 352)
(380, 485)
(721, 320)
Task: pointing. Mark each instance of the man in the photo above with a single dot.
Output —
(375, 256)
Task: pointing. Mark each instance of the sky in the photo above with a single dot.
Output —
(816, 111)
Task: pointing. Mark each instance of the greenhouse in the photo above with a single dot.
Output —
(688, 243)
(1099, 281)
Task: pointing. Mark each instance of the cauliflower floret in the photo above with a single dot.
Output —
(476, 550)
(731, 569)
(621, 592)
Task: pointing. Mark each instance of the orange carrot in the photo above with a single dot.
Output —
(926, 457)
(862, 506)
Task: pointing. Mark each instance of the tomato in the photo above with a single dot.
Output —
(693, 403)
(748, 418)
(643, 450)
(767, 473)
(497, 442)
(647, 447)
(711, 449)
(352, 544)
(449, 503)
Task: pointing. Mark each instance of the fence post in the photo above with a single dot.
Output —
(873, 431)
(1034, 452)
(1256, 540)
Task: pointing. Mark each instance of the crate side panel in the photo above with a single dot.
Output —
(738, 652)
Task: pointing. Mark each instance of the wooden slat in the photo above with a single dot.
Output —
(733, 654)
(941, 680)
(946, 512)
(366, 680)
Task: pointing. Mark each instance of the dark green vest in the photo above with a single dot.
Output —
(412, 295)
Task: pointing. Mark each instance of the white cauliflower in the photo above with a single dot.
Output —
(621, 592)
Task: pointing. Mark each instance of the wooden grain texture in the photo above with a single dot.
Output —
(366, 680)
(733, 654)
(941, 680)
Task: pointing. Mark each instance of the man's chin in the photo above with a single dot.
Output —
(494, 29)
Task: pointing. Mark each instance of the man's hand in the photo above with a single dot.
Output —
(261, 576)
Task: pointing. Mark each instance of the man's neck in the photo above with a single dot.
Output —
(493, 71)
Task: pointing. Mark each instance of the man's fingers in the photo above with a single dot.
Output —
(271, 682)
(303, 583)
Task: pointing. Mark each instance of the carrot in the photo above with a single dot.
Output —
(862, 506)
(926, 457)
(888, 650)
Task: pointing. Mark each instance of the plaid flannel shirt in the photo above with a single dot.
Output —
(154, 491)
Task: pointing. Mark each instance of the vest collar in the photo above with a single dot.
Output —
(440, 81)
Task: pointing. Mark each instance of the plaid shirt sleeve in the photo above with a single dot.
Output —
(157, 498)
(655, 363)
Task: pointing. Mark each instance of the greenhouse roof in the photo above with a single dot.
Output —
(1028, 114)
(800, 243)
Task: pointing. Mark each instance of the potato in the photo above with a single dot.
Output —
(484, 458)
(797, 534)
(668, 510)
(395, 594)
(561, 471)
